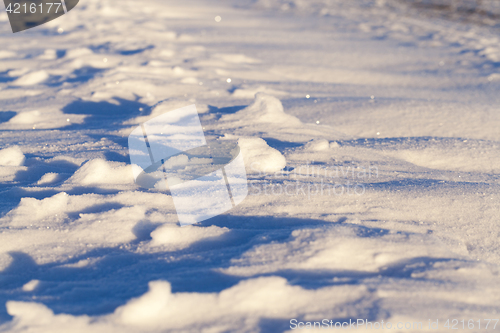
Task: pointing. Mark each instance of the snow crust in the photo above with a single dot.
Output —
(99, 172)
(259, 157)
(177, 238)
(265, 109)
(236, 308)
(12, 156)
(369, 132)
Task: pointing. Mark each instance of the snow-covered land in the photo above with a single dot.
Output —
(370, 131)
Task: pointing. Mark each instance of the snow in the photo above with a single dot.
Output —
(369, 135)
(31, 78)
(30, 286)
(12, 156)
(100, 172)
(48, 178)
(259, 157)
(237, 308)
(177, 238)
(265, 109)
(317, 145)
(334, 248)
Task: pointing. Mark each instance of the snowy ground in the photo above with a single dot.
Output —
(393, 112)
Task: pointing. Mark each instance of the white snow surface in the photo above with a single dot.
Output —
(370, 131)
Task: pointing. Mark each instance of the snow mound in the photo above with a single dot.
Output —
(30, 286)
(335, 248)
(236, 309)
(42, 119)
(55, 209)
(265, 109)
(48, 178)
(145, 310)
(100, 172)
(167, 106)
(236, 58)
(29, 312)
(77, 52)
(177, 238)
(250, 91)
(259, 157)
(28, 117)
(48, 54)
(31, 78)
(461, 157)
(174, 104)
(159, 308)
(114, 226)
(60, 226)
(12, 156)
(4, 54)
(317, 145)
(37, 317)
(32, 210)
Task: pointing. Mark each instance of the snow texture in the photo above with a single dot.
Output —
(370, 135)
